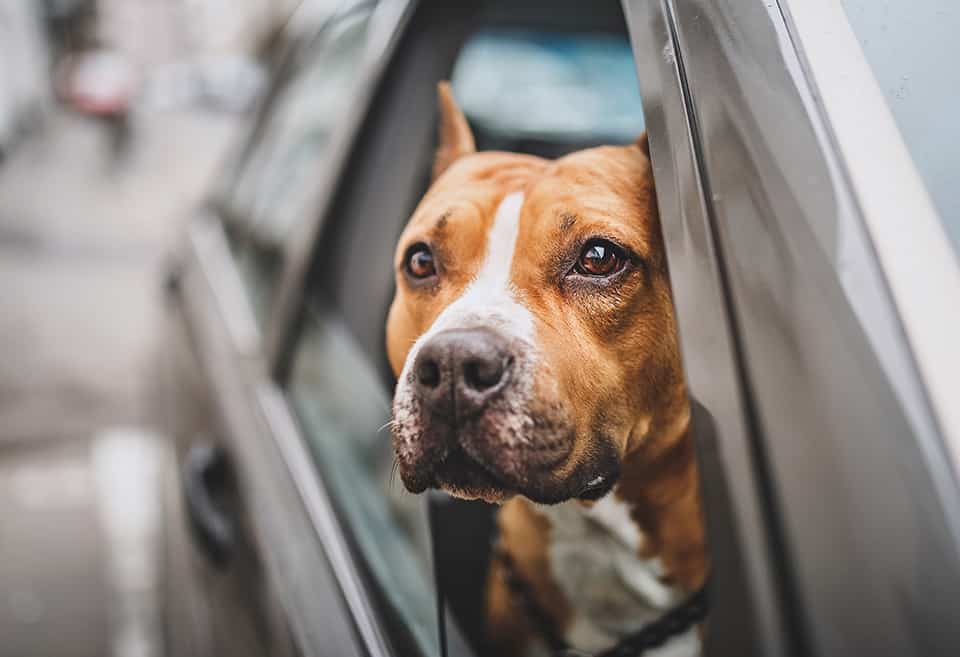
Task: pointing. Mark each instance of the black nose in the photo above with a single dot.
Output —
(459, 370)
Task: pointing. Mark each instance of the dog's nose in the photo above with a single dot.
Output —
(459, 370)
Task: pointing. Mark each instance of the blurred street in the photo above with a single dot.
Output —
(82, 247)
(83, 241)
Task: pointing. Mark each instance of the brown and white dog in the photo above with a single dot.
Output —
(535, 346)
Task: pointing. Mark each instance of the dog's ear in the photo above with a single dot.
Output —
(643, 144)
(456, 140)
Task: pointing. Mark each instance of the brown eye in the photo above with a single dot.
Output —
(420, 261)
(600, 258)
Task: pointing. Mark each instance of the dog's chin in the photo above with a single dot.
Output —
(460, 476)
(463, 477)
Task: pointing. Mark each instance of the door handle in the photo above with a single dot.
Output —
(206, 475)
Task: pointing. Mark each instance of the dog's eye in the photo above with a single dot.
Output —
(600, 258)
(419, 262)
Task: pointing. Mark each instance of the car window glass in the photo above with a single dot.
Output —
(344, 410)
(272, 189)
(911, 46)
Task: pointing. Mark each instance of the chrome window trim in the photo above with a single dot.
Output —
(387, 23)
(921, 273)
(293, 448)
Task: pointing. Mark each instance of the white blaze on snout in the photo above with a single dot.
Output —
(487, 302)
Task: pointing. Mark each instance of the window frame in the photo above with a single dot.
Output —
(749, 586)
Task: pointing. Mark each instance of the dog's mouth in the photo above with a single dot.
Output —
(461, 475)
(508, 449)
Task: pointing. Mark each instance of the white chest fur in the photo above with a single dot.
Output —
(594, 556)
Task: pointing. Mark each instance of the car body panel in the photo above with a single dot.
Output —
(279, 556)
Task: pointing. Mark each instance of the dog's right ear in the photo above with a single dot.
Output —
(456, 139)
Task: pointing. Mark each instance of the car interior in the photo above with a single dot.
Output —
(543, 83)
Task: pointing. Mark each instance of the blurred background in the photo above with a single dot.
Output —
(113, 116)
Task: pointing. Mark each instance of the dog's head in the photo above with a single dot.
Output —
(532, 329)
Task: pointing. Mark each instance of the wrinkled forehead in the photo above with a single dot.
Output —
(474, 186)
(605, 190)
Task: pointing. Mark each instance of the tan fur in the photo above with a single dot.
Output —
(611, 358)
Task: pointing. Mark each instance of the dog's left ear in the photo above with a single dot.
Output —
(643, 144)
(456, 139)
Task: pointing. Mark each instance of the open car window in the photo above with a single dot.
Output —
(336, 382)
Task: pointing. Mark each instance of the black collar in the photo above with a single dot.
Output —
(675, 621)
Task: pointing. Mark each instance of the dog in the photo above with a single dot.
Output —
(533, 338)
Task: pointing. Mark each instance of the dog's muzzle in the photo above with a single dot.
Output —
(466, 418)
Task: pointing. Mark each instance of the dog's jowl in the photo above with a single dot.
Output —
(535, 346)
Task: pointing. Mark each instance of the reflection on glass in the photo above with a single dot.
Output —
(272, 188)
(344, 409)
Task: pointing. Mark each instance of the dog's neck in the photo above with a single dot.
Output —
(628, 558)
(659, 482)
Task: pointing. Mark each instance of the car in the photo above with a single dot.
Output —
(811, 237)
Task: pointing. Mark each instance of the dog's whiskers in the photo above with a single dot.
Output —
(394, 469)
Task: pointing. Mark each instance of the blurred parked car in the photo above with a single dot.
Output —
(816, 292)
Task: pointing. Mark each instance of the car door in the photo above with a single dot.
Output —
(230, 583)
(812, 347)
